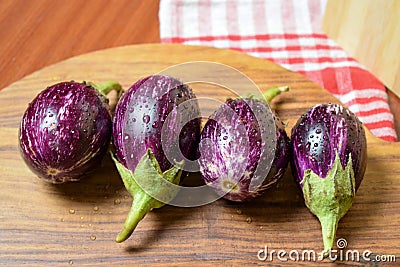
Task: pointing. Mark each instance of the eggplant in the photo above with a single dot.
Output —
(66, 130)
(329, 162)
(244, 147)
(148, 130)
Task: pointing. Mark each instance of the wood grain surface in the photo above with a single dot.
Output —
(76, 223)
(37, 33)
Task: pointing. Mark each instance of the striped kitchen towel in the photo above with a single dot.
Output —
(287, 32)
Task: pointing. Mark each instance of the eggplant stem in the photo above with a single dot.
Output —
(144, 194)
(271, 93)
(329, 224)
(141, 205)
(106, 87)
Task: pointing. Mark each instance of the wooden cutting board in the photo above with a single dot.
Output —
(76, 223)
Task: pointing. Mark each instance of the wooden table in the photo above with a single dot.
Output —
(37, 33)
(76, 224)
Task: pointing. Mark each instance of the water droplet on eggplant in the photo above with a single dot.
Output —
(146, 118)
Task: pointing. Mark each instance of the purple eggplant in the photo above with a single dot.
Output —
(66, 130)
(244, 148)
(329, 161)
(148, 128)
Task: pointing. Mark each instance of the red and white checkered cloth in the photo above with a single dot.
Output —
(287, 32)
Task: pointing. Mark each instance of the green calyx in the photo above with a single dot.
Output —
(271, 93)
(106, 87)
(330, 198)
(268, 95)
(150, 188)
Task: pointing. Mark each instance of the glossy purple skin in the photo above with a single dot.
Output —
(145, 106)
(221, 159)
(65, 132)
(319, 133)
(119, 119)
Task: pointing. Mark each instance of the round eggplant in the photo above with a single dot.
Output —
(66, 130)
(329, 162)
(241, 136)
(148, 128)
